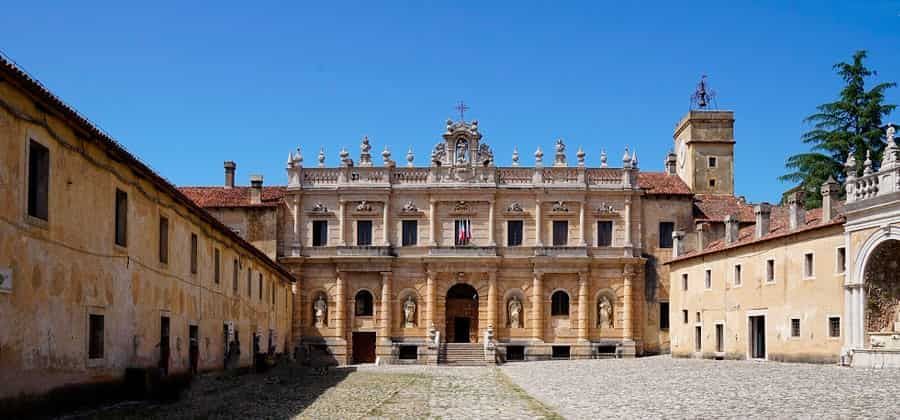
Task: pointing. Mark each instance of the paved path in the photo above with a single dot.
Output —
(661, 387)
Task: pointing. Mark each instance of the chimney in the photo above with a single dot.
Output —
(702, 236)
(830, 191)
(762, 211)
(796, 201)
(670, 162)
(229, 173)
(256, 183)
(677, 243)
(731, 229)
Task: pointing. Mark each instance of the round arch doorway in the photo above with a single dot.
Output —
(882, 288)
(462, 314)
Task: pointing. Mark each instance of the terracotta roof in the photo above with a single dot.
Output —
(715, 208)
(662, 183)
(211, 197)
(779, 226)
(15, 75)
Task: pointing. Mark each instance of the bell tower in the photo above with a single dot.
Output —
(704, 146)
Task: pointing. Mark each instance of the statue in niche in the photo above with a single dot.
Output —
(409, 312)
(462, 151)
(320, 311)
(604, 313)
(514, 309)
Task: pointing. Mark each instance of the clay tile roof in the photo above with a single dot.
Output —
(779, 227)
(210, 197)
(715, 208)
(662, 183)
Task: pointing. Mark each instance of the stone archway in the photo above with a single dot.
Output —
(882, 289)
(461, 314)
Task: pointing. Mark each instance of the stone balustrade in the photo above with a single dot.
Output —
(560, 251)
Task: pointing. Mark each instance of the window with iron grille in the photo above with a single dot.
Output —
(834, 326)
(795, 327)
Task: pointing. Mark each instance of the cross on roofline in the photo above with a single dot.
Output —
(461, 107)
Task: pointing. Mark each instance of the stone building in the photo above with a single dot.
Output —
(817, 286)
(105, 266)
(467, 261)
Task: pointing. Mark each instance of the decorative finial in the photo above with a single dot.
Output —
(386, 155)
(298, 157)
(560, 157)
(867, 165)
(322, 157)
(626, 158)
(702, 96)
(410, 157)
(290, 161)
(345, 156)
(515, 156)
(365, 158)
(461, 107)
(634, 159)
(538, 157)
(603, 158)
(580, 155)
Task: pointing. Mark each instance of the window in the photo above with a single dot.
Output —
(561, 352)
(514, 233)
(95, 336)
(410, 232)
(720, 338)
(684, 281)
(808, 271)
(363, 232)
(841, 260)
(707, 280)
(320, 233)
(121, 218)
(684, 314)
(665, 234)
(274, 290)
(834, 326)
(737, 275)
(194, 251)
(604, 233)
(234, 275)
(559, 304)
(259, 283)
(698, 338)
(410, 353)
(249, 282)
(163, 240)
(698, 316)
(217, 272)
(364, 303)
(770, 271)
(462, 232)
(38, 180)
(795, 327)
(712, 183)
(560, 232)
(712, 161)
(664, 315)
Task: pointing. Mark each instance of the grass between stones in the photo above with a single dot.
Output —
(533, 403)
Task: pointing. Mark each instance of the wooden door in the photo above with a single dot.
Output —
(364, 347)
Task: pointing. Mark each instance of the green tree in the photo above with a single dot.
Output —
(852, 124)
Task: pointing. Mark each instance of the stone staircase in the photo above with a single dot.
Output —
(461, 354)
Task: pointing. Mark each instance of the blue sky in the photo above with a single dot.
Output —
(187, 86)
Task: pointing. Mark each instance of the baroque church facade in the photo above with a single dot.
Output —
(466, 261)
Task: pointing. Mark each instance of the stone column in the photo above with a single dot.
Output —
(386, 223)
(432, 214)
(627, 328)
(492, 299)
(581, 222)
(537, 223)
(342, 228)
(491, 226)
(628, 244)
(340, 310)
(430, 301)
(583, 307)
(537, 307)
(385, 324)
(298, 237)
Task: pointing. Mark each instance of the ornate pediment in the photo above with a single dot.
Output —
(606, 210)
(410, 210)
(462, 208)
(319, 209)
(363, 208)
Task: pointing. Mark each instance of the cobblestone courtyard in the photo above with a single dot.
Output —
(657, 387)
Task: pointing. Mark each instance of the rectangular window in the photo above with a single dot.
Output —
(38, 180)
(320, 233)
(410, 232)
(665, 234)
(664, 315)
(834, 326)
(163, 240)
(707, 280)
(795, 327)
(604, 233)
(712, 161)
(363, 232)
(684, 314)
(514, 233)
(808, 266)
(194, 251)
(274, 289)
(462, 232)
(259, 282)
(217, 271)
(712, 183)
(249, 282)
(698, 316)
(737, 275)
(698, 339)
(121, 218)
(684, 281)
(234, 275)
(770, 271)
(560, 233)
(95, 337)
(841, 260)
(720, 338)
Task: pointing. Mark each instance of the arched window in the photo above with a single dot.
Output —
(559, 303)
(363, 303)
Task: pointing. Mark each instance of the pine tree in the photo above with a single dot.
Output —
(852, 124)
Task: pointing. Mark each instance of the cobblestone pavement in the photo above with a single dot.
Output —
(662, 387)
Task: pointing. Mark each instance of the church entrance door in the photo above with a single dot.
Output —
(462, 314)
(363, 347)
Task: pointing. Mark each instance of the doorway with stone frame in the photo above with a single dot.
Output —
(461, 316)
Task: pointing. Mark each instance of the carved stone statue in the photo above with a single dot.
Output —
(515, 207)
(319, 207)
(485, 155)
(320, 311)
(560, 146)
(439, 153)
(604, 313)
(409, 207)
(514, 309)
(462, 151)
(560, 206)
(409, 312)
(364, 206)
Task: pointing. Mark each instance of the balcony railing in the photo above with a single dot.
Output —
(560, 251)
(463, 251)
(364, 251)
